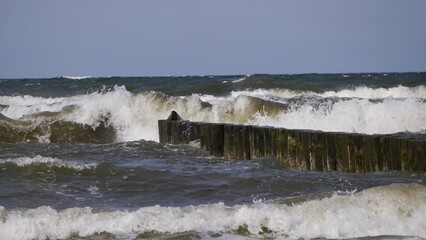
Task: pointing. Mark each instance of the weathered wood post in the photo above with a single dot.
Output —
(177, 131)
(212, 138)
(300, 149)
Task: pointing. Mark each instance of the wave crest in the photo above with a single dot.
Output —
(397, 210)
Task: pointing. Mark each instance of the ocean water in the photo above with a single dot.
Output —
(80, 159)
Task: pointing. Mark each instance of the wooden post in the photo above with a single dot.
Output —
(300, 149)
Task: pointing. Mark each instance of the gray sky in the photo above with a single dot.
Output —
(197, 37)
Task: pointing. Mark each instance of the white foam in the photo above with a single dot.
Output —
(355, 115)
(282, 95)
(378, 93)
(49, 162)
(398, 210)
(18, 106)
(358, 92)
(274, 95)
(77, 77)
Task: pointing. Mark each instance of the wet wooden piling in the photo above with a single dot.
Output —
(300, 149)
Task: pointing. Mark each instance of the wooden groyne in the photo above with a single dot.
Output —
(300, 149)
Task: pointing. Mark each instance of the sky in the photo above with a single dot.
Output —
(48, 38)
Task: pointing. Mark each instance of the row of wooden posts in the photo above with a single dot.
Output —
(300, 149)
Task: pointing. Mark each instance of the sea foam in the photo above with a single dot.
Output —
(377, 93)
(396, 210)
(354, 115)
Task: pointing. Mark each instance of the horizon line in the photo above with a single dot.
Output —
(82, 77)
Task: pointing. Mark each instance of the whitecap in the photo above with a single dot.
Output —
(396, 210)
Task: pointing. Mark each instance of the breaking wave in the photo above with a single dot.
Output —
(393, 210)
(354, 115)
(119, 115)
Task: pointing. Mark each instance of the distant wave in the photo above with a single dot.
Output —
(393, 210)
(241, 79)
(76, 77)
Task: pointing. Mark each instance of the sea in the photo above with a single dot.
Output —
(80, 158)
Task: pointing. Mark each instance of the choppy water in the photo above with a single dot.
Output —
(80, 159)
